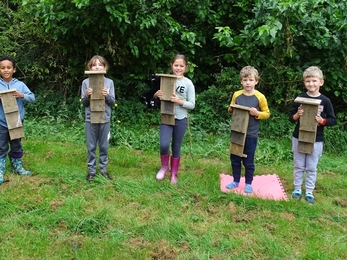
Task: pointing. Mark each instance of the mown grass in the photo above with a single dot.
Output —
(56, 214)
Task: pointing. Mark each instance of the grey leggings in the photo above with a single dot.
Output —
(177, 132)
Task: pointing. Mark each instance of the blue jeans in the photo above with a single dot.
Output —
(5, 142)
(248, 162)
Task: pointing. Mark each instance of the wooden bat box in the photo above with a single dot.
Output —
(308, 124)
(239, 125)
(14, 122)
(97, 100)
(167, 108)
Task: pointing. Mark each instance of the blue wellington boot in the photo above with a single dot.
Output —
(17, 166)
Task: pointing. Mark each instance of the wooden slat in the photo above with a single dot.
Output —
(167, 107)
(91, 72)
(240, 107)
(309, 101)
(307, 137)
(237, 137)
(97, 105)
(306, 148)
(167, 119)
(97, 117)
(7, 91)
(16, 133)
(237, 150)
(240, 120)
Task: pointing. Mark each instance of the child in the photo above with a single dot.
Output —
(22, 93)
(257, 102)
(98, 133)
(184, 99)
(313, 80)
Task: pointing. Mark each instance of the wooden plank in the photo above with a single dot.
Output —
(237, 137)
(306, 148)
(237, 150)
(307, 120)
(97, 117)
(91, 72)
(9, 102)
(309, 101)
(168, 75)
(96, 82)
(97, 105)
(13, 120)
(240, 107)
(168, 87)
(307, 137)
(240, 120)
(167, 107)
(16, 133)
(7, 91)
(167, 119)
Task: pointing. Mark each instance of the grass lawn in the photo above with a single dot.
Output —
(56, 214)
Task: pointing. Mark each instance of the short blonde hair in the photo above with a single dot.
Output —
(249, 71)
(313, 71)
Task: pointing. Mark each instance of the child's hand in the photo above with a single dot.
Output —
(230, 110)
(158, 94)
(300, 111)
(18, 94)
(319, 119)
(105, 92)
(174, 98)
(89, 92)
(254, 112)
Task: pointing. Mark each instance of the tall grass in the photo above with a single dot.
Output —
(56, 214)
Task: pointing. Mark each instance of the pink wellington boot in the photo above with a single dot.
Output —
(175, 162)
(164, 167)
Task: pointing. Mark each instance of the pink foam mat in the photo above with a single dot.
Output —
(264, 186)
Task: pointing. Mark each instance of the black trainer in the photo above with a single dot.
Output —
(90, 176)
(106, 175)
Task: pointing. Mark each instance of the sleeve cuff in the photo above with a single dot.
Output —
(324, 122)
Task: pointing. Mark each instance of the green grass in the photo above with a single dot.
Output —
(56, 214)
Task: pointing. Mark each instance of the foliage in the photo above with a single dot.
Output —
(285, 37)
(138, 38)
